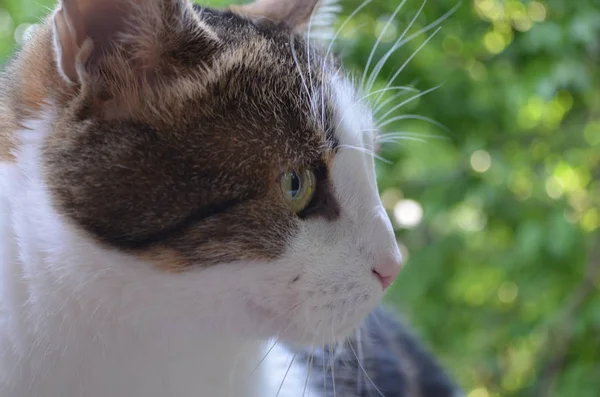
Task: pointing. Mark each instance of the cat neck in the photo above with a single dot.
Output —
(81, 320)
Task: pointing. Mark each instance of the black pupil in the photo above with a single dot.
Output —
(295, 185)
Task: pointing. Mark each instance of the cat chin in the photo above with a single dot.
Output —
(297, 332)
(303, 323)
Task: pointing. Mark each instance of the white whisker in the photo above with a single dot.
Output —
(412, 98)
(365, 150)
(295, 56)
(400, 42)
(310, 22)
(401, 134)
(343, 25)
(285, 376)
(289, 311)
(395, 47)
(363, 369)
(414, 117)
(333, 361)
(360, 377)
(310, 367)
(395, 140)
(401, 68)
(398, 87)
(383, 31)
(324, 370)
(382, 105)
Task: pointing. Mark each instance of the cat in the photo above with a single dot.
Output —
(188, 207)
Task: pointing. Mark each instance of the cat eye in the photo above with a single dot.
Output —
(298, 188)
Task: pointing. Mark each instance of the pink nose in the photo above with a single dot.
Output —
(386, 274)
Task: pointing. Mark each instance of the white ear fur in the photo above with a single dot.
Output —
(68, 40)
(297, 14)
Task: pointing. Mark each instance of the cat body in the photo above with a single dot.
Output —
(175, 195)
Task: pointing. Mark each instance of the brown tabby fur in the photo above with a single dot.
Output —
(172, 144)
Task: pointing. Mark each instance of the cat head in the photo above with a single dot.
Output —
(219, 149)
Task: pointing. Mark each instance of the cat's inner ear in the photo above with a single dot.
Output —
(69, 36)
(87, 33)
(294, 13)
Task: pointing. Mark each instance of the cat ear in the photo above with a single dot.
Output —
(87, 33)
(297, 14)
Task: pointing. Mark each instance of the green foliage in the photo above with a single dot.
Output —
(502, 275)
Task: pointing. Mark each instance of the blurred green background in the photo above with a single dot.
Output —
(498, 213)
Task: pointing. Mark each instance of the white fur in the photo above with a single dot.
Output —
(81, 320)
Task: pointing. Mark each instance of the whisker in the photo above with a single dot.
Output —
(333, 364)
(372, 54)
(382, 105)
(399, 43)
(365, 150)
(292, 309)
(396, 140)
(412, 98)
(401, 69)
(297, 63)
(335, 76)
(359, 373)
(414, 117)
(398, 87)
(435, 23)
(324, 369)
(343, 25)
(432, 25)
(285, 376)
(310, 367)
(310, 22)
(401, 134)
(393, 49)
(363, 369)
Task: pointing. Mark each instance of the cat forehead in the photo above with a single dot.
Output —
(260, 75)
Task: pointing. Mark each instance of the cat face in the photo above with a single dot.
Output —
(219, 147)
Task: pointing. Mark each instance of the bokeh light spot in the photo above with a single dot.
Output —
(554, 188)
(481, 161)
(470, 217)
(390, 198)
(592, 133)
(536, 11)
(408, 213)
(22, 32)
(531, 114)
(391, 31)
(489, 10)
(6, 23)
(494, 42)
(480, 392)
(590, 220)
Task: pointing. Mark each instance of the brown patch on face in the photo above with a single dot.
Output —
(165, 259)
(184, 169)
(180, 167)
(8, 128)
